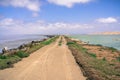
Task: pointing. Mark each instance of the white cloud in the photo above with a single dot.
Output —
(19, 27)
(12, 26)
(35, 14)
(9, 21)
(33, 5)
(68, 3)
(107, 20)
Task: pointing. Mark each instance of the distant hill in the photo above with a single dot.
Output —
(107, 33)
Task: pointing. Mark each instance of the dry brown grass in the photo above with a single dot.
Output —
(93, 68)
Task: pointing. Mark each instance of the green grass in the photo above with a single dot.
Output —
(49, 41)
(73, 44)
(92, 55)
(22, 54)
(8, 61)
(3, 57)
(69, 43)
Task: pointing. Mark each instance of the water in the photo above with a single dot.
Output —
(105, 40)
(13, 41)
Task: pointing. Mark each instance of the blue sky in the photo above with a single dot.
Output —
(59, 16)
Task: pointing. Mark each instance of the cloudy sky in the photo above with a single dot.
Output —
(59, 16)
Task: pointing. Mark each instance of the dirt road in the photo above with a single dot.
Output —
(52, 62)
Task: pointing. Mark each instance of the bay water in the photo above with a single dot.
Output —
(13, 41)
(105, 40)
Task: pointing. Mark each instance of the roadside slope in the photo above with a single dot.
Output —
(52, 62)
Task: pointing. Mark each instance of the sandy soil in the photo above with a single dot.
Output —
(52, 62)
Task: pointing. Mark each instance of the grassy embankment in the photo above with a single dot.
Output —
(8, 60)
(93, 68)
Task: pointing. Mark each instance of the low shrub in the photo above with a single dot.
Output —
(98, 45)
(8, 62)
(92, 55)
(22, 54)
(3, 57)
(68, 43)
(112, 49)
(104, 59)
(118, 58)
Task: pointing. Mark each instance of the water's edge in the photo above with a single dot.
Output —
(105, 40)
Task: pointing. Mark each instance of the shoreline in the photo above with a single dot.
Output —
(22, 42)
(96, 66)
(22, 46)
(11, 56)
(95, 44)
(99, 50)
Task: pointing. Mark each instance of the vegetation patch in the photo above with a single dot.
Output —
(22, 54)
(49, 41)
(98, 45)
(92, 55)
(3, 57)
(104, 59)
(8, 60)
(69, 43)
(118, 58)
(60, 42)
(112, 49)
(93, 68)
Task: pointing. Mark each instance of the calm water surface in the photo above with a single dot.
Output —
(105, 40)
(13, 41)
